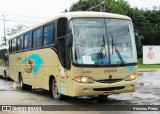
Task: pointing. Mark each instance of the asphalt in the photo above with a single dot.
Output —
(147, 93)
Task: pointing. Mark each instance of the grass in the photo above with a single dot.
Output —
(151, 66)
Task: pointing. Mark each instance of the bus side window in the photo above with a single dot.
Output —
(28, 41)
(10, 46)
(53, 33)
(63, 51)
(34, 39)
(37, 38)
(49, 34)
(20, 43)
(13, 45)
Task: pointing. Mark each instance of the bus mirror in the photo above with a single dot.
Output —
(137, 38)
(69, 40)
(138, 41)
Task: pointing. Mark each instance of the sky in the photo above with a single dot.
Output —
(31, 12)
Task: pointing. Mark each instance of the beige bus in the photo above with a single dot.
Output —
(76, 54)
(4, 71)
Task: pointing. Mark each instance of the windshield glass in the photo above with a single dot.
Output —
(100, 41)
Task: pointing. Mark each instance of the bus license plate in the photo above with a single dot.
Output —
(108, 93)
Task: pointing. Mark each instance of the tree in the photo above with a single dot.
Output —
(146, 21)
(15, 29)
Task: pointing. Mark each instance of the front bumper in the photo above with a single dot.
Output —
(96, 88)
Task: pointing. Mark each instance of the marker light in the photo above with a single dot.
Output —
(81, 79)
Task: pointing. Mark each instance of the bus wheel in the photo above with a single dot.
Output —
(56, 95)
(24, 86)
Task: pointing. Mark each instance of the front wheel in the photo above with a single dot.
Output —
(55, 93)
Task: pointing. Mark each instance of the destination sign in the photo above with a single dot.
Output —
(90, 22)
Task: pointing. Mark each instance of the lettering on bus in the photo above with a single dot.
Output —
(19, 58)
(84, 72)
(110, 71)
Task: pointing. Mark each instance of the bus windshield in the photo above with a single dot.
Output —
(100, 41)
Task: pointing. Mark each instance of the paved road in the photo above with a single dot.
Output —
(148, 93)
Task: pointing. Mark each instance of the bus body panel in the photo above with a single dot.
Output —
(4, 68)
(37, 66)
(88, 89)
(103, 74)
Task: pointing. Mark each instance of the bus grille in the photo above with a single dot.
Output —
(109, 80)
(109, 89)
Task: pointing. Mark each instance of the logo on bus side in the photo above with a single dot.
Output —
(29, 67)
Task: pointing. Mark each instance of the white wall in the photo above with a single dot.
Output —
(151, 54)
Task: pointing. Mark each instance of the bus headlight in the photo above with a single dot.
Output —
(131, 77)
(81, 79)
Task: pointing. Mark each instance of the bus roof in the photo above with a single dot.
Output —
(76, 14)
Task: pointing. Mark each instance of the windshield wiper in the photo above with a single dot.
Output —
(102, 47)
(101, 54)
(117, 51)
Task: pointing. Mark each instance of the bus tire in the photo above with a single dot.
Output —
(56, 95)
(22, 85)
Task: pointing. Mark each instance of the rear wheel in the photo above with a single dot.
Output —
(55, 93)
(22, 85)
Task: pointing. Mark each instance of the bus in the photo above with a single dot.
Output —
(4, 71)
(76, 54)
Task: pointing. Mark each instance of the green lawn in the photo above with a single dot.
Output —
(141, 66)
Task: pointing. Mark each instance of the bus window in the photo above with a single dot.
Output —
(28, 40)
(49, 34)
(20, 43)
(62, 25)
(10, 46)
(13, 45)
(37, 38)
(34, 39)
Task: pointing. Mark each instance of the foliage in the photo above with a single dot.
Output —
(15, 29)
(146, 21)
(143, 66)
